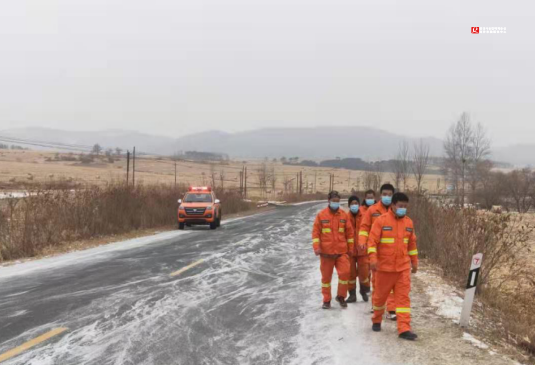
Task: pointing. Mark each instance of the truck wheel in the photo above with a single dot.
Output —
(180, 225)
(213, 225)
(219, 221)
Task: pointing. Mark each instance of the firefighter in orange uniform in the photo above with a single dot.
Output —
(374, 212)
(359, 265)
(369, 200)
(332, 240)
(392, 250)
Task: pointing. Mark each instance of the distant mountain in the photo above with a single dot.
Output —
(310, 143)
(367, 143)
(107, 139)
(519, 155)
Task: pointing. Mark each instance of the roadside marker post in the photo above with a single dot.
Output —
(471, 289)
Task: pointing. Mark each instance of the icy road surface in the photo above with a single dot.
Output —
(255, 299)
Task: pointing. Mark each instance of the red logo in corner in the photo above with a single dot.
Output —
(475, 30)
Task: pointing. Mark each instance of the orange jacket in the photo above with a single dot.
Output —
(332, 232)
(372, 213)
(355, 223)
(392, 243)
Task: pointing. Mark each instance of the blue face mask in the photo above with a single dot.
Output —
(354, 208)
(401, 212)
(370, 202)
(334, 205)
(387, 200)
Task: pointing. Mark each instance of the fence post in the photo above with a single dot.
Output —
(127, 166)
(470, 289)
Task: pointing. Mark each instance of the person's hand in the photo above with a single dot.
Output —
(414, 269)
(373, 266)
(317, 252)
(361, 248)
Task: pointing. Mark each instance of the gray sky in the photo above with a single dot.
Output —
(174, 66)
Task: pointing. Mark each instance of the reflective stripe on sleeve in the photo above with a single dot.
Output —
(405, 240)
(325, 230)
(372, 249)
(413, 253)
(403, 310)
(351, 240)
(364, 233)
(387, 240)
(316, 240)
(341, 230)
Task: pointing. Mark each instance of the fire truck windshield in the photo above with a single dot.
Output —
(198, 198)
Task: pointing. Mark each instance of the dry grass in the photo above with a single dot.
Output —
(22, 169)
(51, 218)
(450, 237)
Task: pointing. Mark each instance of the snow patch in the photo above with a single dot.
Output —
(445, 299)
(468, 337)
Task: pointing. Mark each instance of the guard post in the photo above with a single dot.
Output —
(473, 276)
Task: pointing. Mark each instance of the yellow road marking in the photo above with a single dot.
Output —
(28, 345)
(178, 272)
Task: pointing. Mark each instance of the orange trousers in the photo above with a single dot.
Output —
(359, 267)
(327, 266)
(391, 301)
(401, 283)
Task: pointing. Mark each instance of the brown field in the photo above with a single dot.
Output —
(20, 169)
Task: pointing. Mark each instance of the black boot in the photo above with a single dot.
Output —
(364, 293)
(408, 335)
(352, 298)
(376, 327)
(326, 305)
(342, 302)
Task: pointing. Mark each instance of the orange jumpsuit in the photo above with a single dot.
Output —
(358, 259)
(332, 234)
(392, 246)
(374, 212)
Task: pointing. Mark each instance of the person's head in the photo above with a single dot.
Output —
(369, 198)
(354, 204)
(387, 191)
(334, 200)
(400, 202)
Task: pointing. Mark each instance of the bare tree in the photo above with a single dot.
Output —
(458, 147)
(377, 177)
(479, 159)
(263, 178)
(420, 162)
(222, 176)
(369, 178)
(213, 176)
(96, 149)
(521, 186)
(273, 177)
(402, 165)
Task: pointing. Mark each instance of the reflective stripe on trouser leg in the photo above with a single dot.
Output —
(403, 302)
(363, 270)
(352, 273)
(384, 282)
(342, 268)
(326, 268)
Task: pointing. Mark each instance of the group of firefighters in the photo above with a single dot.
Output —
(374, 242)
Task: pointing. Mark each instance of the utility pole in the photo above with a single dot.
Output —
(134, 168)
(245, 183)
(300, 182)
(127, 166)
(175, 172)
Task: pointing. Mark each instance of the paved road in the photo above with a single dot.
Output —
(253, 300)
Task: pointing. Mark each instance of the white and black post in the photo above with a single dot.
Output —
(471, 289)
